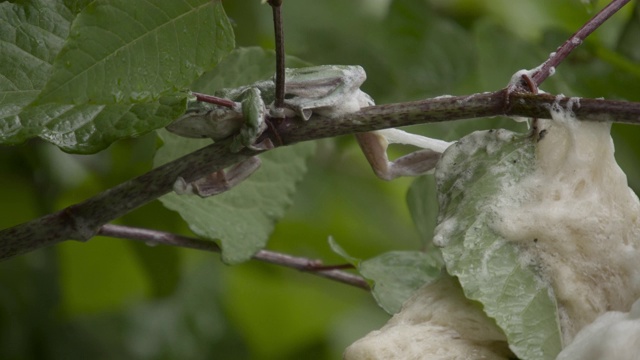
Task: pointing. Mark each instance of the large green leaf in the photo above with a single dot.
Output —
(119, 70)
(136, 50)
(241, 219)
(471, 177)
(31, 35)
(89, 128)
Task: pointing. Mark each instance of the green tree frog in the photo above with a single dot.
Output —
(328, 90)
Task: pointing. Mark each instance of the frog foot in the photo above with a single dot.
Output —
(254, 125)
(374, 146)
(219, 181)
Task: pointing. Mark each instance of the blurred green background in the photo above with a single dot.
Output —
(111, 298)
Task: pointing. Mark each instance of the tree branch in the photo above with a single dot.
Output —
(82, 221)
(311, 266)
(441, 109)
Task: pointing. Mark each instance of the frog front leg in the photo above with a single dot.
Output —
(254, 112)
(244, 122)
(374, 146)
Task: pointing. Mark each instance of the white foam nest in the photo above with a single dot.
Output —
(584, 218)
(437, 323)
(614, 335)
(575, 218)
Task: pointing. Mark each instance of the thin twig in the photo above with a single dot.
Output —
(545, 70)
(214, 100)
(320, 267)
(276, 6)
(311, 266)
(534, 90)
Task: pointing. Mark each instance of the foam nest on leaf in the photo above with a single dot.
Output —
(577, 220)
(438, 323)
(574, 220)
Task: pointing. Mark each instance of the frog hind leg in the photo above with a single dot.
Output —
(219, 181)
(374, 146)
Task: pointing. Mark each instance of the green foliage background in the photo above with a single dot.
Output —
(118, 299)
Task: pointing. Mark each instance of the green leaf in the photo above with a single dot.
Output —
(75, 6)
(395, 275)
(398, 274)
(336, 248)
(241, 67)
(241, 219)
(31, 35)
(90, 128)
(119, 70)
(133, 51)
(423, 205)
(470, 178)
